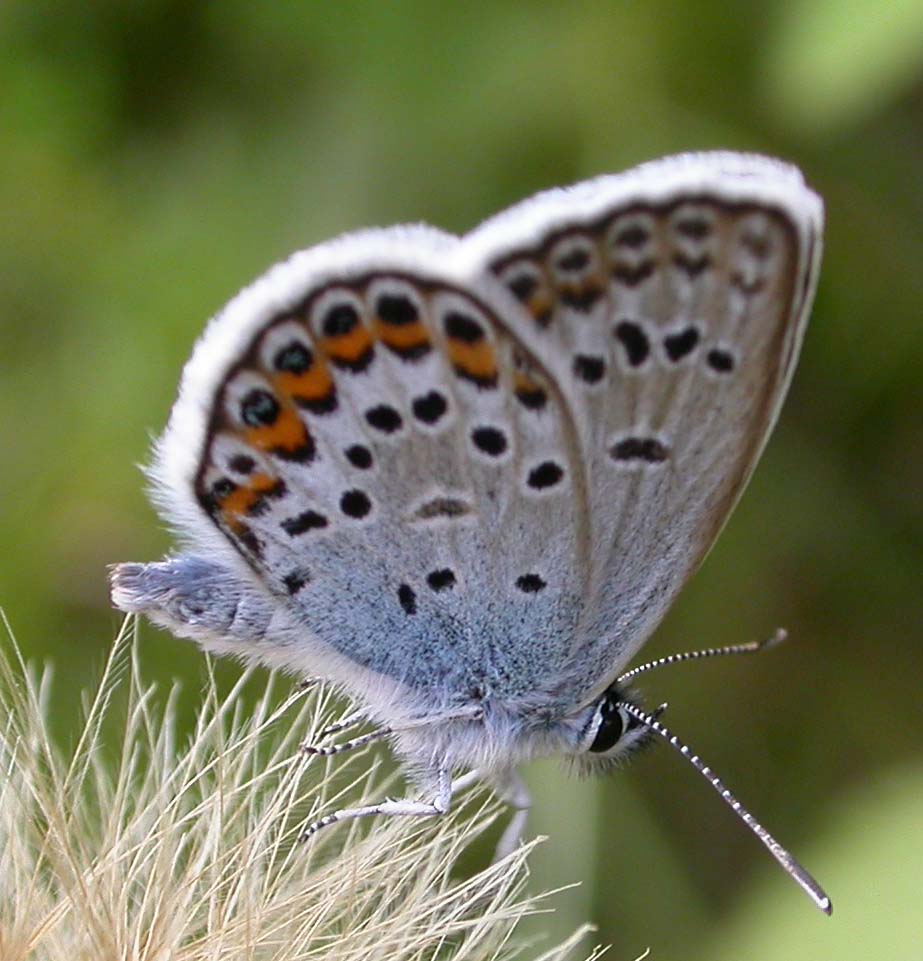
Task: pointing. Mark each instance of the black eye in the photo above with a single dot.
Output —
(610, 728)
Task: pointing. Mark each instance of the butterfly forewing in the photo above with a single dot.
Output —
(672, 326)
(486, 466)
(398, 471)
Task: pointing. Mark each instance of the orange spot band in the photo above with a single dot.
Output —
(241, 499)
(287, 434)
(314, 384)
(349, 347)
(476, 360)
(523, 383)
(403, 336)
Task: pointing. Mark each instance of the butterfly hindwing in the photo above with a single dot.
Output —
(668, 304)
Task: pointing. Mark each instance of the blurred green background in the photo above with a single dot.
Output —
(156, 156)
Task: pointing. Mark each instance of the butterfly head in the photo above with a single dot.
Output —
(606, 734)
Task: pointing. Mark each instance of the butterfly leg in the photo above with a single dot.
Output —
(403, 807)
(512, 789)
(349, 721)
(328, 750)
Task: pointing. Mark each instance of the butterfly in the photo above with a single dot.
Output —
(464, 478)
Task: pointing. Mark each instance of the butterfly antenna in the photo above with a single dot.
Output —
(791, 867)
(750, 648)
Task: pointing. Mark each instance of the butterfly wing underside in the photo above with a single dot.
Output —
(488, 465)
(390, 464)
(668, 305)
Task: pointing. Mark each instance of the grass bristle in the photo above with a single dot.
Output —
(146, 846)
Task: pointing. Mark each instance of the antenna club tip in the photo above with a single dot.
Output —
(779, 636)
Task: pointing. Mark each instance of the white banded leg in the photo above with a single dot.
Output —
(509, 787)
(328, 750)
(402, 807)
(350, 720)
(357, 716)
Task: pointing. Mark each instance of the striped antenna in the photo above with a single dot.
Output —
(791, 867)
(750, 648)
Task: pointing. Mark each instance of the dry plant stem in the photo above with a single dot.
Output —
(140, 844)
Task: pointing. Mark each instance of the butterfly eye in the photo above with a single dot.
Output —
(611, 726)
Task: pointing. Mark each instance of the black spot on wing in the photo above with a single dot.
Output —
(259, 408)
(545, 475)
(589, 369)
(223, 487)
(447, 507)
(532, 398)
(397, 310)
(633, 236)
(691, 266)
(523, 286)
(294, 358)
(407, 598)
(306, 521)
(695, 228)
(295, 581)
(430, 407)
(720, 361)
(242, 464)
(489, 440)
(633, 275)
(574, 261)
(633, 339)
(463, 327)
(681, 344)
(355, 504)
(441, 580)
(359, 456)
(339, 319)
(384, 418)
(530, 583)
(645, 449)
